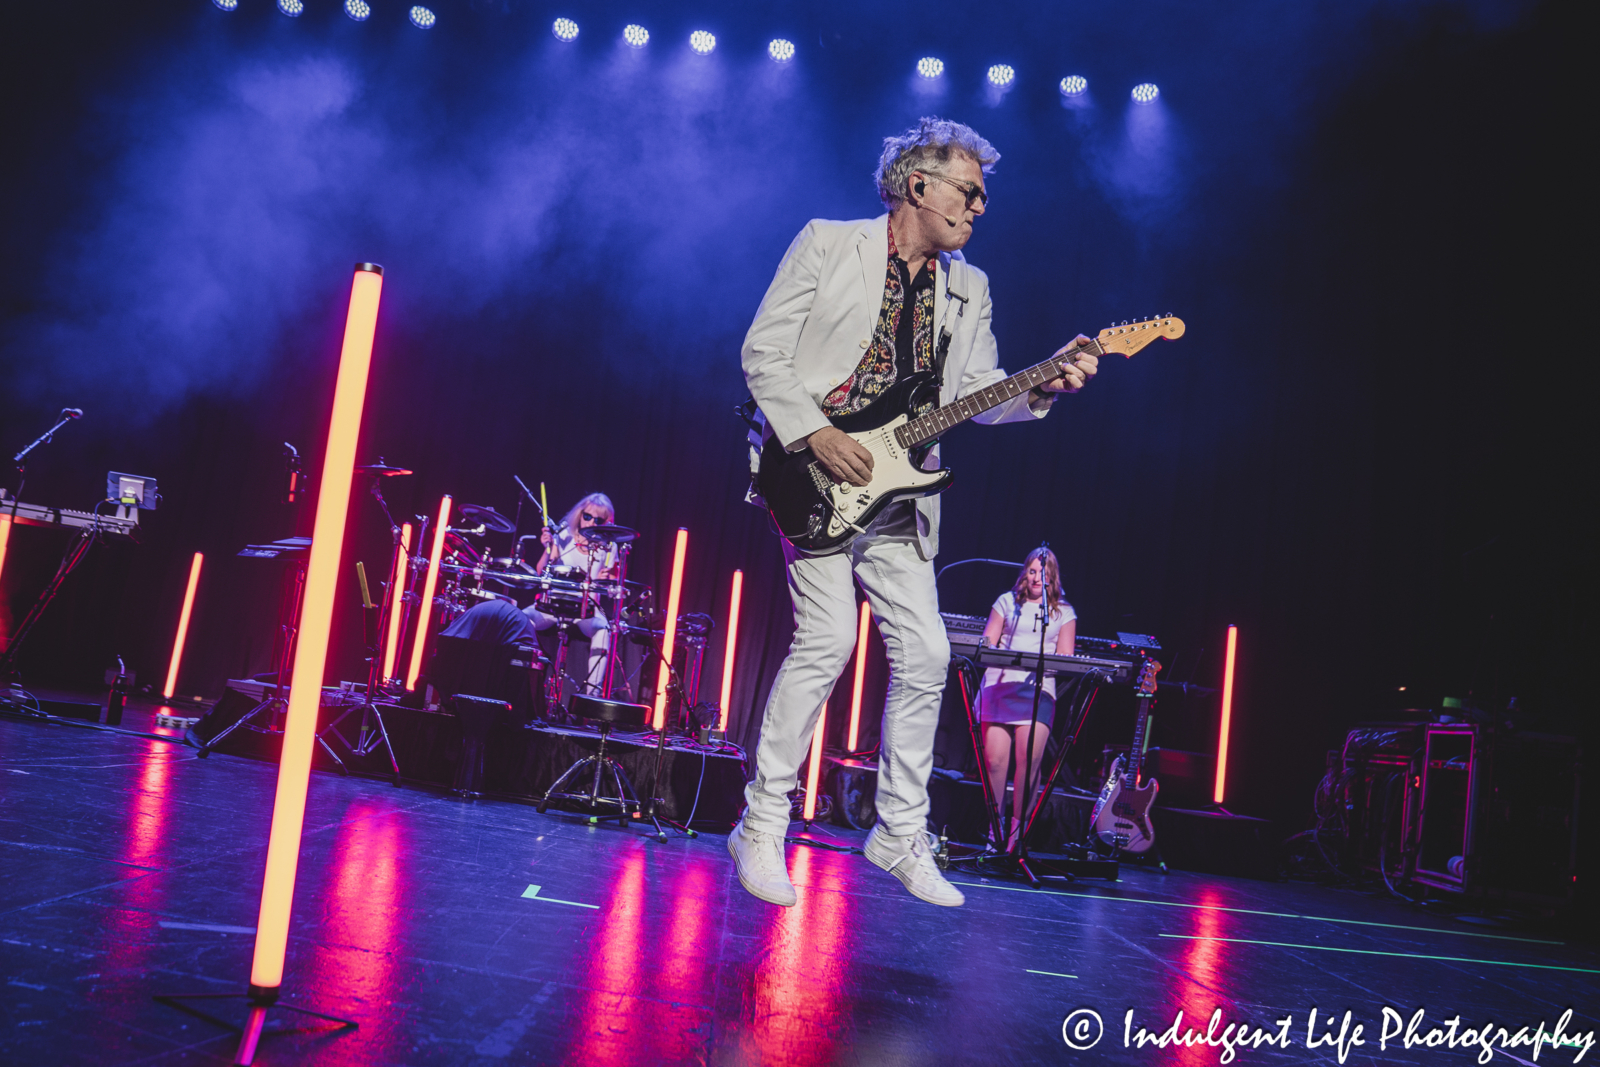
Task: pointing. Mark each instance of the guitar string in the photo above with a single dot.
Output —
(915, 430)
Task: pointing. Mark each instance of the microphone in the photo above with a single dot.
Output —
(72, 413)
(950, 221)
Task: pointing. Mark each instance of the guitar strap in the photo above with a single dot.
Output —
(941, 352)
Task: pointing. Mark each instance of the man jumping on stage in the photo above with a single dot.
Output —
(854, 307)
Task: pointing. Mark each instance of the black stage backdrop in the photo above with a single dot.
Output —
(1366, 452)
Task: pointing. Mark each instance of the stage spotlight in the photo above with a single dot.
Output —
(1145, 93)
(422, 18)
(227, 5)
(636, 35)
(1001, 75)
(781, 50)
(359, 10)
(292, 8)
(1074, 85)
(565, 30)
(930, 67)
(703, 42)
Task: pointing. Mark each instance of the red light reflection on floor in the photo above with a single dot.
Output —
(131, 930)
(650, 966)
(364, 920)
(797, 1009)
(1202, 989)
(612, 1028)
(686, 962)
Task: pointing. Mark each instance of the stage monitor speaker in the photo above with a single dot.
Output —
(229, 709)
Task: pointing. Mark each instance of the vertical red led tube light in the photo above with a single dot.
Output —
(861, 675)
(5, 537)
(397, 595)
(1227, 715)
(311, 653)
(733, 643)
(814, 767)
(679, 550)
(183, 627)
(425, 609)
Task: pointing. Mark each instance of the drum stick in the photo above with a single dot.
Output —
(361, 573)
(544, 505)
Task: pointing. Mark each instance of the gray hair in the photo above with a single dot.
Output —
(928, 146)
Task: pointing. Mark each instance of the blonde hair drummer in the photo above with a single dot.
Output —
(565, 546)
(1032, 613)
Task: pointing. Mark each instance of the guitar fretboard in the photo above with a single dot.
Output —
(924, 428)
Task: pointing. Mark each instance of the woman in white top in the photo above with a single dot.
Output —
(567, 547)
(1032, 612)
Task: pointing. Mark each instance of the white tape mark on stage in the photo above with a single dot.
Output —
(532, 893)
(211, 928)
(1052, 974)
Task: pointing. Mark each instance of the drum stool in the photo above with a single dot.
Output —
(608, 715)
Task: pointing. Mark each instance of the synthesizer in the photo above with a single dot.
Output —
(121, 521)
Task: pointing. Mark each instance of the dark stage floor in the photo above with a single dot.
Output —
(128, 869)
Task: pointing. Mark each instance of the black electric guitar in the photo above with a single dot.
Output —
(1121, 817)
(817, 514)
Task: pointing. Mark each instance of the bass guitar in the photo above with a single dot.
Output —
(1121, 818)
(817, 514)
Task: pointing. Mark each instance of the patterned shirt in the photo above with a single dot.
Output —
(901, 344)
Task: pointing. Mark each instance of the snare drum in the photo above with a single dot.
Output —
(560, 592)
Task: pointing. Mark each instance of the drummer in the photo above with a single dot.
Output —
(572, 549)
(566, 547)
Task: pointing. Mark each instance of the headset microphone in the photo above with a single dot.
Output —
(952, 222)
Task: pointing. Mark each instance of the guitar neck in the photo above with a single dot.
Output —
(925, 428)
(1136, 754)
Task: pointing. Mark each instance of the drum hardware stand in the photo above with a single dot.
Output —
(652, 809)
(275, 703)
(368, 739)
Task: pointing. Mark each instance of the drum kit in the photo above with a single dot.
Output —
(580, 601)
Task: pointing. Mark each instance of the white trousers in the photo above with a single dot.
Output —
(899, 585)
(596, 628)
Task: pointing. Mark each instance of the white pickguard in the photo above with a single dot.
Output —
(892, 472)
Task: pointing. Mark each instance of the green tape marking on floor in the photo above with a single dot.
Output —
(1252, 911)
(1052, 974)
(1376, 952)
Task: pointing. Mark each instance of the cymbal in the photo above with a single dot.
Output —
(619, 534)
(489, 518)
(382, 469)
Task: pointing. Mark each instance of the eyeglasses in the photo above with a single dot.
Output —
(592, 518)
(971, 192)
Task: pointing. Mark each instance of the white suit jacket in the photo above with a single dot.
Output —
(818, 318)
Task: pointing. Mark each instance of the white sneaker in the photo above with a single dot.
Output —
(759, 859)
(910, 859)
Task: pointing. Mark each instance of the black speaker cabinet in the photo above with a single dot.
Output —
(1465, 808)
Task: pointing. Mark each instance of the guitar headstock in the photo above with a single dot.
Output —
(1129, 337)
(1146, 685)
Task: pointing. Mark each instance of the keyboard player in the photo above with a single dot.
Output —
(1030, 612)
